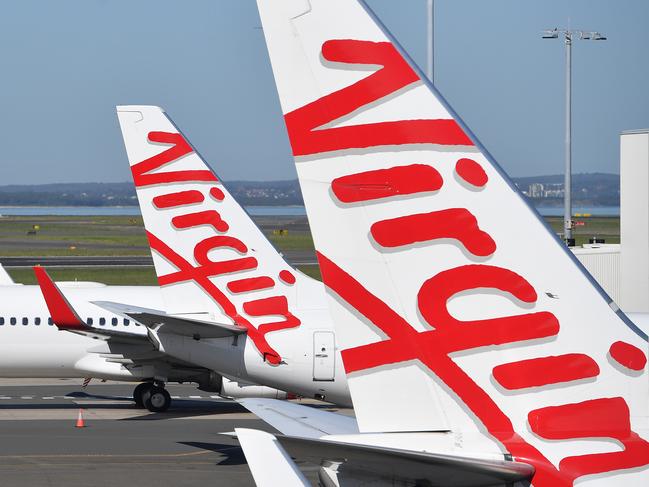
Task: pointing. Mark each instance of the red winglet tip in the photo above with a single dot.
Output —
(63, 315)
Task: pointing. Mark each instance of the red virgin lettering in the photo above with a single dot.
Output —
(286, 277)
(207, 217)
(147, 173)
(432, 347)
(218, 241)
(217, 194)
(403, 343)
(142, 175)
(597, 418)
(384, 183)
(395, 74)
(455, 223)
(201, 276)
(542, 371)
(180, 198)
(250, 284)
(471, 172)
(276, 305)
(628, 355)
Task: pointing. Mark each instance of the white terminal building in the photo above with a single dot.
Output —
(623, 269)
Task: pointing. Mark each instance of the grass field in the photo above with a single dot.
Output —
(78, 235)
(603, 227)
(123, 235)
(120, 276)
(116, 276)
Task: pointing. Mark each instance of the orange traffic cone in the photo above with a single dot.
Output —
(80, 423)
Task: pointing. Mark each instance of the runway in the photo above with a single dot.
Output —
(120, 444)
(80, 261)
(298, 257)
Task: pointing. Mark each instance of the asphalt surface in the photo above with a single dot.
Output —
(74, 261)
(299, 257)
(120, 445)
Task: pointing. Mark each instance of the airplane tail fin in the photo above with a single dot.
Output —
(446, 287)
(5, 278)
(209, 255)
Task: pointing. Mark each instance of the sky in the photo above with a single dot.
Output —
(65, 65)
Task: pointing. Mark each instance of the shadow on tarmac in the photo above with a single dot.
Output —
(233, 454)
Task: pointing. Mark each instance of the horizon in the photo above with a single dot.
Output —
(598, 189)
(267, 181)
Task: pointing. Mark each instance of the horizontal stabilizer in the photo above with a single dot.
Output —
(406, 466)
(164, 323)
(299, 420)
(269, 463)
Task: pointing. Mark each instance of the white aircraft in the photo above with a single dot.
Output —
(232, 313)
(505, 361)
(102, 346)
(217, 271)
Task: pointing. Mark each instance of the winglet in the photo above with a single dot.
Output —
(63, 314)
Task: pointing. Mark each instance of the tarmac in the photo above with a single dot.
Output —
(295, 257)
(120, 444)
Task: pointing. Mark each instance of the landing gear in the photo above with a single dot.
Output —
(138, 392)
(156, 399)
(152, 396)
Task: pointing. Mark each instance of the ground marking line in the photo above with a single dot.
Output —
(108, 455)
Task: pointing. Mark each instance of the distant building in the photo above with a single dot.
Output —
(540, 190)
(553, 191)
(535, 190)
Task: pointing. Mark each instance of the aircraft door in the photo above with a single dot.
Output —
(324, 363)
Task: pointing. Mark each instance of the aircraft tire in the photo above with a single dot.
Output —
(156, 399)
(138, 393)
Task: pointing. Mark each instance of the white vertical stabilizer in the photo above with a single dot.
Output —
(5, 278)
(445, 284)
(209, 256)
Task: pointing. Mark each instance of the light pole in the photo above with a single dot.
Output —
(430, 68)
(567, 182)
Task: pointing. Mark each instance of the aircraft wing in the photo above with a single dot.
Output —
(299, 420)
(165, 323)
(367, 462)
(304, 437)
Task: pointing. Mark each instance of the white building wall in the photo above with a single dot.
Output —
(634, 221)
(603, 262)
